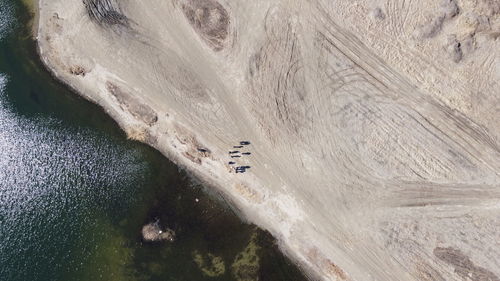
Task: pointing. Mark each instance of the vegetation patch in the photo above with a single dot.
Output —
(210, 264)
(247, 263)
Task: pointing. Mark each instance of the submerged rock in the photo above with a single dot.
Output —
(153, 232)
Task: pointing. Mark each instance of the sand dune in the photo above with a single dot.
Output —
(374, 125)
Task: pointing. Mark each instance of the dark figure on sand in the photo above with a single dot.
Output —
(242, 169)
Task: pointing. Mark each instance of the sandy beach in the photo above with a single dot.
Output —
(373, 140)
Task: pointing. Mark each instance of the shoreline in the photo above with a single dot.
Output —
(32, 6)
(318, 196)
(212, 186)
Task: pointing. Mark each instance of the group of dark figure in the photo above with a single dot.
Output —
(238, 154)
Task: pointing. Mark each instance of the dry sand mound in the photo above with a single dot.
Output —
(374, 125)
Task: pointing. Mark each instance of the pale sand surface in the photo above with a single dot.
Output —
(375, 125)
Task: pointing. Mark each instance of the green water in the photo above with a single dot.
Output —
(75, 193)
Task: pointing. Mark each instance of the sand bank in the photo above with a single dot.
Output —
(373, 127)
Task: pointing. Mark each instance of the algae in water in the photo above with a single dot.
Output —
(111, 258)
(247, 263)
(209, 264)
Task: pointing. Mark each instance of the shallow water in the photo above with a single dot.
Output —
(74, 192)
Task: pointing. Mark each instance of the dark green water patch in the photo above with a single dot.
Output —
(75, 193)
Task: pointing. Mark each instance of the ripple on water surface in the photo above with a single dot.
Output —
(5, 18)
(74, 193)
(46, 174)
